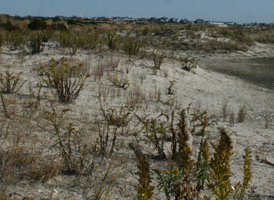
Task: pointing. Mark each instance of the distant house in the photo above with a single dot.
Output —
(142, 19)
(174, 20)
(153, 19)
(219, 23)
(184, 21)
(199, 21)
(163, 19)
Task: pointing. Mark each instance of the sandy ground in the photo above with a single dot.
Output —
(219, 78)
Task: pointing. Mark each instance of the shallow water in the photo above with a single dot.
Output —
(259, 71)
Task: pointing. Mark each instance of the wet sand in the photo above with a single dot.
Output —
(259, 71)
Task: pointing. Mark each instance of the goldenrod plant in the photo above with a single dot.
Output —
(220, 166)
(67, 79)
(144, 187)
(11, 82)
(202, 173)
(241, 187)
(156, 132)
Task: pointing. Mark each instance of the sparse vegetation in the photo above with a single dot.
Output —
(50, 139)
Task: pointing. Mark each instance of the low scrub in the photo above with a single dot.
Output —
(67, 79)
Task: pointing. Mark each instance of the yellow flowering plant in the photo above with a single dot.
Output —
(119, 83)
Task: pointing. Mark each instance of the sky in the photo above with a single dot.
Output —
(239, 11)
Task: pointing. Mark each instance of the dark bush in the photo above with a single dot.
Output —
(37, 24)
(9, 27)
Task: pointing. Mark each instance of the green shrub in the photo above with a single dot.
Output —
(9, 27)
(131, 46)
(112, 39)
(58, 27)
(37, 24)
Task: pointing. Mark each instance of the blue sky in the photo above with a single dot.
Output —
(239, 11)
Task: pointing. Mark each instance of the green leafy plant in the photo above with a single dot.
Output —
(202, 173)
(167, 178)
(10, 82)
(156, 132)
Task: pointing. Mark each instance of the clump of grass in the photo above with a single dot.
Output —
(170, 89)
(241, 114)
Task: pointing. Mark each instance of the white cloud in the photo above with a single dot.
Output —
(80, 14)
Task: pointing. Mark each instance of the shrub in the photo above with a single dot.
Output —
(37, 24)
(36, 44)
(58, 27)
(112, 39)
(189, 62)
(8, 26)
(70, 144)
(10, 82)
(66, 79)
(131, 46)
(157, 59)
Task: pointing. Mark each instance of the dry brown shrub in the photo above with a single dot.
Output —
(49, 22)
(21, 24)
(3, 19)
(146, 30)
(104, 28)
(128, 27)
